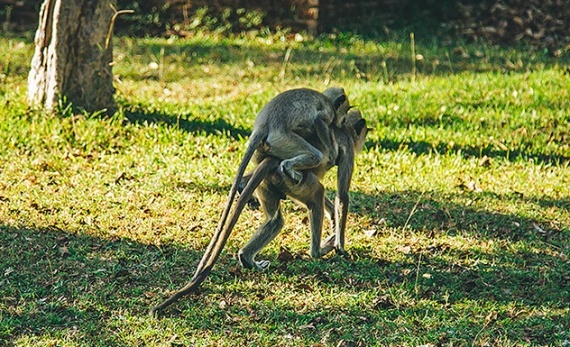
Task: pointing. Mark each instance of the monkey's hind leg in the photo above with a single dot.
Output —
(270, 200)
(296, 152)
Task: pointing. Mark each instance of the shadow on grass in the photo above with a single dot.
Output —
(472, 151)
(138, 115)
(54, 280)
(388, 62)
(434, 213)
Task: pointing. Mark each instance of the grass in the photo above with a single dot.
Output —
(463, 185)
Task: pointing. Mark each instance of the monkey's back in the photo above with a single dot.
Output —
(295, 110)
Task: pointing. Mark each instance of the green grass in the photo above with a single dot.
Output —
(464, 183)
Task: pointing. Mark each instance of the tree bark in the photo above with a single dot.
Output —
(73, 55)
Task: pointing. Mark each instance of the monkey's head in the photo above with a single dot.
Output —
(340, 103)
(358, 129)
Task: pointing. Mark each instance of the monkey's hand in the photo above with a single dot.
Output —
(329, 244)
(252, 202)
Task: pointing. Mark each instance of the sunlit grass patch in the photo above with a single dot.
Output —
(459, 223)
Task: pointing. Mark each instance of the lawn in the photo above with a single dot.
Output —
(459, 228)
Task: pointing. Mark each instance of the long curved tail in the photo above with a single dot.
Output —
(222, 233)
(254, 141)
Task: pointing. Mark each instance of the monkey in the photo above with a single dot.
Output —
(282, 127)
(271, 185)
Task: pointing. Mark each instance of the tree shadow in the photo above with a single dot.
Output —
(383, 65)
(471, 151)
(54, 280)
(137, 114)
(434, 213)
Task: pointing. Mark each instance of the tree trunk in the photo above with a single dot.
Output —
(72, 59)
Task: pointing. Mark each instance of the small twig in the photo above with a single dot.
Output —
(416, 289)
(385, 71)
(328, 69)
(413, 211)
(285, 62)
(112, 24)
(413, 47)
(449, 62)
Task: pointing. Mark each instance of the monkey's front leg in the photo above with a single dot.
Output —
(344, 176)
(329, 243)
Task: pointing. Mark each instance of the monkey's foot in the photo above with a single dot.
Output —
(249, 263)
(329, 244)
(294, 175)
(262, 265)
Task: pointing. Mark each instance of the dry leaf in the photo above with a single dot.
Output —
(405, 249)
(539, 229)
(371, 232)
(63, 251)
(149, 295)
(470, 186)
(304, 286)
(485, 161)
(123, 176)
(122, 273)
(285, 256)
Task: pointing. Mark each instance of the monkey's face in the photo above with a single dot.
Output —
(340, 102)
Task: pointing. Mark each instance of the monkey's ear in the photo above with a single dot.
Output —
(361, 124)
(339, 101)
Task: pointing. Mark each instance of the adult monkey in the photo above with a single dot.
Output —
(282, 127)
(271, 186)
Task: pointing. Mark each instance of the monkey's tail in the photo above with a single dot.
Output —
(254, 141)
(221, 236)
